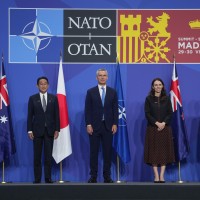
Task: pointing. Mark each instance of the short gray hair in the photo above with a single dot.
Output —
(102, 69)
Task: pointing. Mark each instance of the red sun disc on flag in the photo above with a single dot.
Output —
(64, 120)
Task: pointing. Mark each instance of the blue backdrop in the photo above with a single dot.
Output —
(136, 80)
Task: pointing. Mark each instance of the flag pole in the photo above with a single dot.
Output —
(118, 170)
(3, 173)
(118, 160)
(61, 174)
(179, 173)
(61, 177)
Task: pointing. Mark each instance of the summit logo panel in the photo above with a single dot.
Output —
(103, 36)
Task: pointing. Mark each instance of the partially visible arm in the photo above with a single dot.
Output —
(168, 116)
(115, 109)
(116, 114)
(169, 112)
(148, 115)
(30, 115)
(30, 118)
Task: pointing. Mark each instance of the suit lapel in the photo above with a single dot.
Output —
(38, 100)
(107, 95)
(98, 95)
(49, 100)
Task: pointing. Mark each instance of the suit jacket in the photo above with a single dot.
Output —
(38, 119)
(94, 109)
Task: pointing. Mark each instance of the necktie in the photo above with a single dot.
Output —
(103, 95)
(44, 105)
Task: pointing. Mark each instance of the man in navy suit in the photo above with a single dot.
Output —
(43, 126)
(101, 116)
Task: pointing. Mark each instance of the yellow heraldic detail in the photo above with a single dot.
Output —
(195, 24)
(144, 46)
(160, 26)
(130, 28)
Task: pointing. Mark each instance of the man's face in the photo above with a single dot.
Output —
(102, 77)
(43, 85)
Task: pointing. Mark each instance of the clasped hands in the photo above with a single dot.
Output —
(160, 125)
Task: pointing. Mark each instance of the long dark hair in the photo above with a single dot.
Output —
(152, 91)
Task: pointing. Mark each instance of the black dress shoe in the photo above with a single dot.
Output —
(48, 180)
(92, 180)
(156, 181)
(162, 181)
(108, 180)
(36, 181)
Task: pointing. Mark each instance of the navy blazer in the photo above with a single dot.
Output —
(94, 109)
(38, 119)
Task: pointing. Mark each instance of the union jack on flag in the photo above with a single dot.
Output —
(175, 91)
(181, 145)
(7, 143)
(3, 90)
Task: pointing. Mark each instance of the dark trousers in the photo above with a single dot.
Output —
(104, 136)
(37, 147)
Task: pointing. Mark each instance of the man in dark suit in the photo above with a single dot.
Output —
(101, 116)
(43, 126)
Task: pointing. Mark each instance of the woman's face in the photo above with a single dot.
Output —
(157, 86)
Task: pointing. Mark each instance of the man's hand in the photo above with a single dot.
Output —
(114, 129)
(89, 129)
(56, 134)
(31, 136)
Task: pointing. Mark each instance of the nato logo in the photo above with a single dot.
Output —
(122, 113)
(35, 35)
(84, 36)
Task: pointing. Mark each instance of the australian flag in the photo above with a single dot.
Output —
(120, 140)
(178, 123)
(7, 143)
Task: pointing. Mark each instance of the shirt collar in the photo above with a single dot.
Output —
(100, 86)
(45, 95)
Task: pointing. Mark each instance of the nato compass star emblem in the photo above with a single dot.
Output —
(36, 35)
(122, 113)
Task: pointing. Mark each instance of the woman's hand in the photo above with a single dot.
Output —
(160, 125)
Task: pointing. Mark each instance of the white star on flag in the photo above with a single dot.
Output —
(3, 119)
